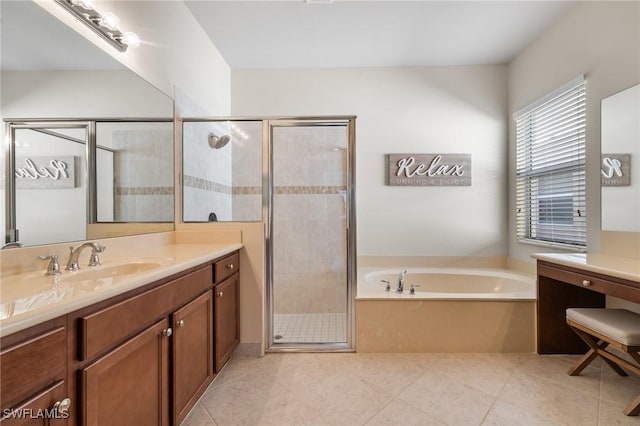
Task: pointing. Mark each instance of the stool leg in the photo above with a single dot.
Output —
(598, 347)
(582, 363)
(633, 409)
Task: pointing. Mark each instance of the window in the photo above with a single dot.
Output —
(550, 168)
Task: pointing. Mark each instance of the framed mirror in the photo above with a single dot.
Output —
(620, 161)
(64, 100)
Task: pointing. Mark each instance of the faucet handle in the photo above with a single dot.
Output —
(413, 290)
(94, 260)
(54, 267)
(388, 283)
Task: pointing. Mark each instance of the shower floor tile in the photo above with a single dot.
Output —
(310, 328)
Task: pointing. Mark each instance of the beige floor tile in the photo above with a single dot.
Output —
(485, 372)
(505, 414)
(617, 389)
(390, 372)
(236, 368)
(399, 413)
(555, 367)
(243, 400)
(563, 404)
(612, 415)
(447, 399)
(198, 417)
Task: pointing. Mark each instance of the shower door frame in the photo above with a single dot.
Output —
(349, 123)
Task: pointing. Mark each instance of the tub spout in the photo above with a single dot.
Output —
(400, 288)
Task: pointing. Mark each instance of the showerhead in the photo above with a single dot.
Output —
(217, 142)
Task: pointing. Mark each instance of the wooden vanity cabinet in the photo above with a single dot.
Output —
(146, 358)
(227, 325)
(192, 353)
(33, 369)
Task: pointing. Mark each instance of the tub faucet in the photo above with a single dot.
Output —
(96, 248)
(400, 288)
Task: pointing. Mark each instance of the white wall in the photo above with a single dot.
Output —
(601, 40)
(175, 50)
(406, 110)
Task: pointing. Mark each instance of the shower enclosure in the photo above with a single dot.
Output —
(310, 234)
(295, 175)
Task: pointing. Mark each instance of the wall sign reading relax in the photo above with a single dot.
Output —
(615, 170)
(429, 169)
(46, 172)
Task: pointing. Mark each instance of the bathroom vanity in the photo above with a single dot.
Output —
(144, 356)
(578, 281)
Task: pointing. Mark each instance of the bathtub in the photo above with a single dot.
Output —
(447, 283)
(452, 310)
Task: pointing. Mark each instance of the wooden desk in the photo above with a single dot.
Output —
(561, 287)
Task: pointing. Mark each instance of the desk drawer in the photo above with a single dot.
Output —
(107, 327)
(595, 283)
(226, 267)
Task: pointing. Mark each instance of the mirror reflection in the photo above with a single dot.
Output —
(620, 162)
(69, 102)
(222, 164)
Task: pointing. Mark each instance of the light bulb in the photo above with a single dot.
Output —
(131, 39)
(110, 21)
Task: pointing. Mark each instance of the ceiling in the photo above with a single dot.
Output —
(295, 33)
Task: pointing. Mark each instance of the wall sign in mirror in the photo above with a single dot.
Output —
(615, 170)
(620, 193)
(429, 169)
(46, 172)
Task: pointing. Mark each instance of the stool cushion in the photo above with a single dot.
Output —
(620, 325)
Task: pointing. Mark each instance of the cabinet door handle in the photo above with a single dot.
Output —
(586, 283)
(229, 266)
(62, 406)
(180, 323)
(168, 332)
(220, 294)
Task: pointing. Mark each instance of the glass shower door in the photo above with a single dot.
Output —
(309, 225)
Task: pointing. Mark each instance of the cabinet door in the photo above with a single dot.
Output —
(130, 385)
(226, 308)
(39, 410)
(192, 354)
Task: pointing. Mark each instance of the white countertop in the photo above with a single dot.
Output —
(32, 298)
(614, 266)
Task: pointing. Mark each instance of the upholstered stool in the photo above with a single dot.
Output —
(600, 328)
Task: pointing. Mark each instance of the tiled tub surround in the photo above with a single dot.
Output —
(463, 320)
(28, 297)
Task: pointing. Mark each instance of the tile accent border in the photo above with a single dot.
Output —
(305, 190)
(144, 190)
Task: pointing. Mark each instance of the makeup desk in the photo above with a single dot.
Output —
(578, 281)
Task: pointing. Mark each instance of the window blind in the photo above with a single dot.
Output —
(550, 168)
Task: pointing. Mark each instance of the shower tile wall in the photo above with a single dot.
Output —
(207, 174)
(143, 166)
(309, 220)
(247, 172)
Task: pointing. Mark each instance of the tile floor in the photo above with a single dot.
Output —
(414, 389)
(310, 328)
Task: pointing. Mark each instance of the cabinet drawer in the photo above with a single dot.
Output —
(108, 327)
(591, 282)
(226, 267)
(28, 367)
(39, 409)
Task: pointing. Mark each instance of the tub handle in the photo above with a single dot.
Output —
(388, 283)
(413, 290)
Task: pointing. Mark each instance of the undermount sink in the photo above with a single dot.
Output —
(111, 271)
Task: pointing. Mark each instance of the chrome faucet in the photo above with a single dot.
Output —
(400, 288)
(12, 244)
(74, 254)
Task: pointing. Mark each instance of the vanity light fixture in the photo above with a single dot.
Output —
(106, 25)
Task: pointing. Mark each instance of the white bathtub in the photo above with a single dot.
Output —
(447, 284)
(453, 310)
